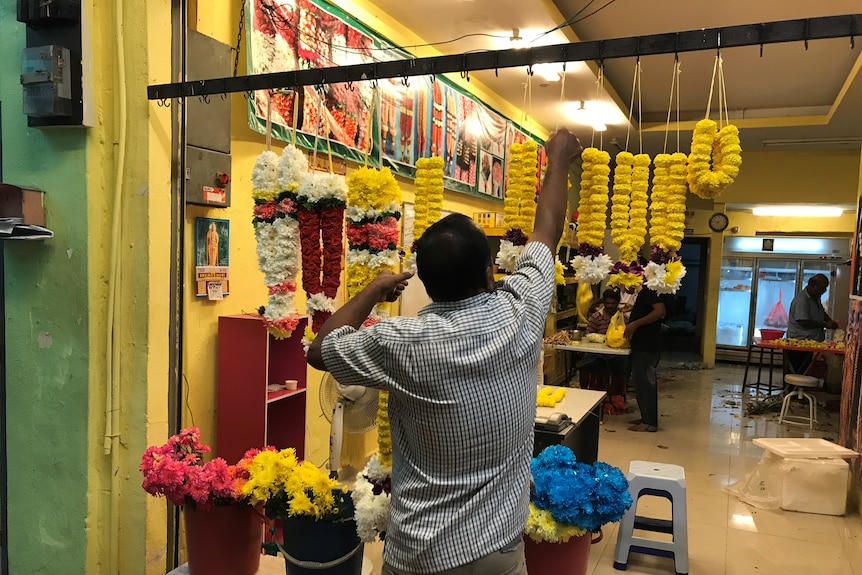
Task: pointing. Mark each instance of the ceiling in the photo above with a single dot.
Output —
(788, 94)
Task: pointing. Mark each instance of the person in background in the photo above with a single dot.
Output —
(644, 333)
(467, 364)
(808, 320)
(595, 370)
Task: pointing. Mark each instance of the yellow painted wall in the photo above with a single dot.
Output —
(796, 177)
(136, 542)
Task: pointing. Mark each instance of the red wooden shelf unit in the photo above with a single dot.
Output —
(247, 415)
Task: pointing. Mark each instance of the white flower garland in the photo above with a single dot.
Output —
(320, 186)
(592, 270)
(664, 278)
(277, 239)
(508, 255)
(319, 302)
(372, 511)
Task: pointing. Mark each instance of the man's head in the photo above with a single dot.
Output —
(817, 285)
(611, 301)
(453, 259)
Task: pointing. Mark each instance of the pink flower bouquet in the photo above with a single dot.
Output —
(177, 471)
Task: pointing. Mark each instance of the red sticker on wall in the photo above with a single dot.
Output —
(215, 195)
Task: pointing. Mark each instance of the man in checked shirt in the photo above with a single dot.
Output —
(462, 383)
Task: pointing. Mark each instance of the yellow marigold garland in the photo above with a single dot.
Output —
(715, 158)
(384, 437)
(519, 205)
(628, 218)
(664, 273)
(428, 202)
(591, 265)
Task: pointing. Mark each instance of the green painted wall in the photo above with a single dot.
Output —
(46, 336)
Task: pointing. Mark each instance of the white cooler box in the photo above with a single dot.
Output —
(812, 475)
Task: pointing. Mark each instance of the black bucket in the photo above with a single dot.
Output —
(321, 547)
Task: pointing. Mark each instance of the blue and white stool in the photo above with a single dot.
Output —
(661, 480)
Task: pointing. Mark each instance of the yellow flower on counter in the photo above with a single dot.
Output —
(550, 396)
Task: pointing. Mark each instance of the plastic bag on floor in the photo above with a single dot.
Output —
(762, 487)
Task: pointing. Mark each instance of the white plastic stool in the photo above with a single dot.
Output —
(800, 382)
(661, 480)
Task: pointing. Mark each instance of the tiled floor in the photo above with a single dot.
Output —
(703, 428)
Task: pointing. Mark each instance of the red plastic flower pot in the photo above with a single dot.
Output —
(225, 540)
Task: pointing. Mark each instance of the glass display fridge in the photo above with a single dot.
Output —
(761, 275)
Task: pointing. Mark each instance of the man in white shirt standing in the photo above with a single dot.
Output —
(462, 383)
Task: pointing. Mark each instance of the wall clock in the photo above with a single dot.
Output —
(718, 222)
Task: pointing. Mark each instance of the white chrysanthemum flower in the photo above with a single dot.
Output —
(508, 255)
(319, 302)
(592, 270)
(656, 278)
(264, 176)
(358, 257)
(292, 168)
(383, 258)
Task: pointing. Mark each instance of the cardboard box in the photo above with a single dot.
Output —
(22, 202)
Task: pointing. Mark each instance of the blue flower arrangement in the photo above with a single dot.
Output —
(570, 498)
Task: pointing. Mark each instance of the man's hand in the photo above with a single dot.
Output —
(563, 147)
(630, 330)
(830, 324)
(388, 286)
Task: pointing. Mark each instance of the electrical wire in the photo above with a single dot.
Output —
(280, 22)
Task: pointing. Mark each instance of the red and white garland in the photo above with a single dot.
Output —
(322, 198)
(275, 183)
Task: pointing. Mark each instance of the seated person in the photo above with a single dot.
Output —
(593, 366)
(807, 320)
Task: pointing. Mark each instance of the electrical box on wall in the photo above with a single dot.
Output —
(48, 12)
(51, 66)
(208, 161)
(47, 81)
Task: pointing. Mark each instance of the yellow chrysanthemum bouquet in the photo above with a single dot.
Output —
(288, 488)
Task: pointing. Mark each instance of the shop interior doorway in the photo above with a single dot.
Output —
(683, 324)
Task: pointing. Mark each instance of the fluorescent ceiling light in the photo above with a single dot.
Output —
(799, 211)
(550, 72)
(596, 114)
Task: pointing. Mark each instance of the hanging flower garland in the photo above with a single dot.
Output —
(322, 198)
(664, 272)
(373, 212)
(519, 206)
(629, 219)
(277, 233)
(591, 264)
(428, 203)
(716, 156)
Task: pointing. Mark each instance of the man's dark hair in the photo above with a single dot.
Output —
(611, 294)
(819, 280)
(452, 258)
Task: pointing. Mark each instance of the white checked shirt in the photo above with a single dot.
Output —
(462, 404)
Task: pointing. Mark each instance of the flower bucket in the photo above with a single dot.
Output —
(225, 540)
(569, 558)
(321, 547)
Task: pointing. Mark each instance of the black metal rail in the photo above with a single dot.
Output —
(847, 26)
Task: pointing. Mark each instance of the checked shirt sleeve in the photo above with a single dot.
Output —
(356, 357)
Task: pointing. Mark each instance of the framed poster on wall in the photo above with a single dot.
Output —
(212, 258)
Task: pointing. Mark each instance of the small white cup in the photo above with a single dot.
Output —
(290, 384)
